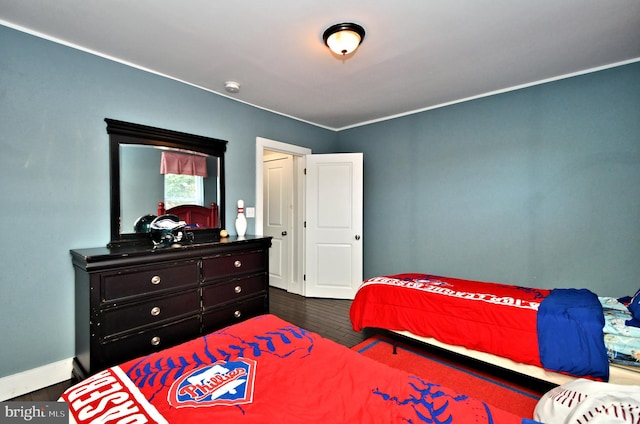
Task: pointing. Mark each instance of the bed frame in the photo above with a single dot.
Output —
(193, 214)
(618, 374)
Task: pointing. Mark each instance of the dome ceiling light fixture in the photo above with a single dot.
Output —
(343, 39)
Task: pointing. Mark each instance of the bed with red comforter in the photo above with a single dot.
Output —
(266, 370)
(559, 330)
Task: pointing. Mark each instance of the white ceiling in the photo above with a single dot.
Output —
(417, 54)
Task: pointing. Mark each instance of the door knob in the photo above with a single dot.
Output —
(284, 233)
(357, 236)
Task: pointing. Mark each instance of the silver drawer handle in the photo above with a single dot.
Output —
(237, 314)
(237, 264)
(155, 279)
(238, 289)
(155, 341)
(155, 311)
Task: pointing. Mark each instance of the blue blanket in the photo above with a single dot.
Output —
(570, 337)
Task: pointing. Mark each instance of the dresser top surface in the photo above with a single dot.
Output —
(176, 251)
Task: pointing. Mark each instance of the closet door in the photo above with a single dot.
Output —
(278, 216)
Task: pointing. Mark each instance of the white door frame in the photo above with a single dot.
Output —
(298, 153)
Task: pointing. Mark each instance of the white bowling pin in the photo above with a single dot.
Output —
(241, 220)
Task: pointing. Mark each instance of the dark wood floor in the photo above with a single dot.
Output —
(327, 317)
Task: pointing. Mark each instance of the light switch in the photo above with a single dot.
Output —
(250, 212)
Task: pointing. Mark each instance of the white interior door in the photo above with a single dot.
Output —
(333, 247)
(278, 216)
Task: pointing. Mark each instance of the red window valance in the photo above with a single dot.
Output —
(176, 163)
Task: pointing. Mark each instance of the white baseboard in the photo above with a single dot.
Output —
(34, 379)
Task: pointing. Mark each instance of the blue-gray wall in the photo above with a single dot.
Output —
(54, 166)
(537, 187)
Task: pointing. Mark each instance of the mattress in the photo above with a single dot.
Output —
(559, 330)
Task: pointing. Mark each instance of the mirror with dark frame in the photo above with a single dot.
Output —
(137, 182)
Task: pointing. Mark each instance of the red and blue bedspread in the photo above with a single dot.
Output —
(559, 330)
(266, 370)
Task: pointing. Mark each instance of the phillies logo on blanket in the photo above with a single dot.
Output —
(222, 383)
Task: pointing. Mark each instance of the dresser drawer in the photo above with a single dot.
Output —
(148, 341)
(233, 264)
(218, 318)
(145, 280)
(119, 320)
(233, 290)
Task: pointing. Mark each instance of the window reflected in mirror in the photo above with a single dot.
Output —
(145, 182)
(183, 190)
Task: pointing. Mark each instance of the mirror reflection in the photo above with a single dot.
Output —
(155, 180)
(156, 171)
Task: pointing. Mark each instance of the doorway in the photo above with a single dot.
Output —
(321, 257)
(286, 259)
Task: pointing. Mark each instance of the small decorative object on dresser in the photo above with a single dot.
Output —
(134, 300)
(241, 220)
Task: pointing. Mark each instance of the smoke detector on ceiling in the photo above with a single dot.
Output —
(232, 87)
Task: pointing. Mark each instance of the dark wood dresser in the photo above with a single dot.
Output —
(131, 301)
